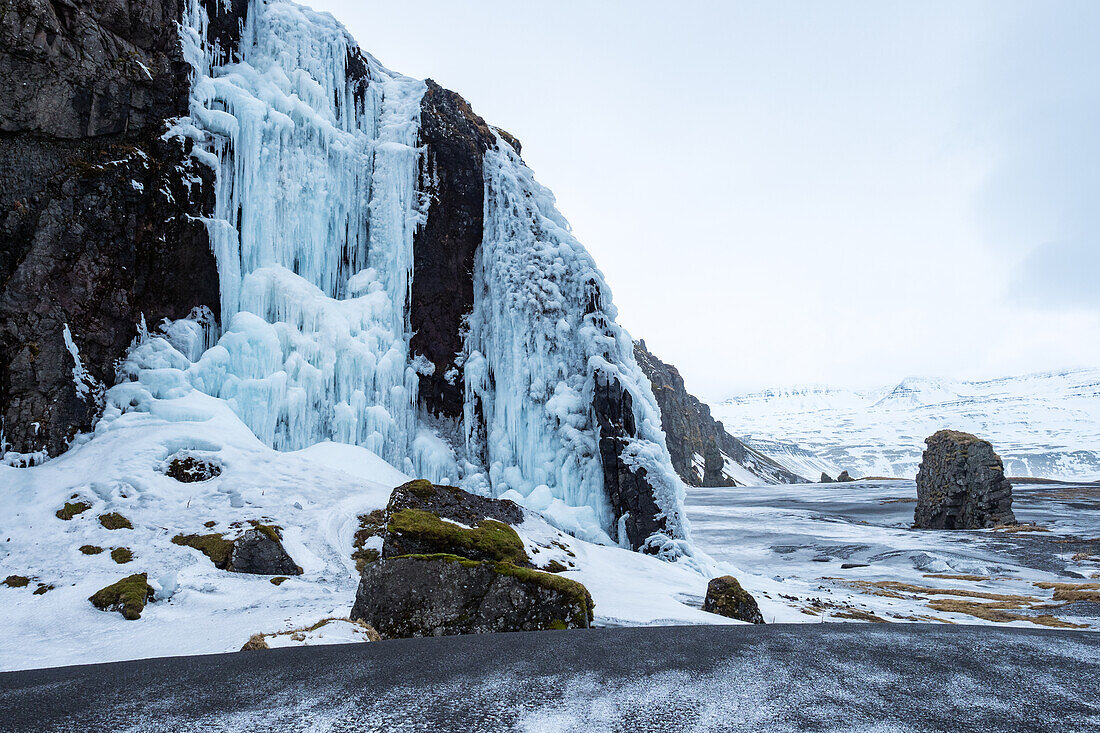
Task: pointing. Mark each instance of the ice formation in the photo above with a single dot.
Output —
(317, 202)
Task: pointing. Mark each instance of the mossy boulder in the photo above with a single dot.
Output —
(214, 546)
(71, 509)
(422, 518)
(451, 563)
(726, 597)
(91, 549)
(127, 596)
(444, 594)
(419, 532)
(122, 555)
(451, 502)
(114, 520)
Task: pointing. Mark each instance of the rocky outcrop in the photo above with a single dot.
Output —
(961, 484)
(726, 597)
(844, 477)
(451, 564)
(826, 479)
(690, 431)
(98, 226)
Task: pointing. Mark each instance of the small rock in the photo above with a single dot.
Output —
(850, 565)
(726, 597)
(189, 469)
(258, 551)
(826, 479)
(844, 477)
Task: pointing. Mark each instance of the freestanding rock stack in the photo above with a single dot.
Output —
(961, 484)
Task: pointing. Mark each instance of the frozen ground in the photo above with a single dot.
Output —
(801, 537)
(895, 679)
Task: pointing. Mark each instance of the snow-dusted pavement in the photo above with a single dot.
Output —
(793, 543)
(918, 677)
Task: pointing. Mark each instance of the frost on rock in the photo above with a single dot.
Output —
(315, 149)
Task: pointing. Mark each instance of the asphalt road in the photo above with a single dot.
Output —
(850, 677)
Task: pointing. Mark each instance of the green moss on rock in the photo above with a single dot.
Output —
(279, 580)
(127, 596)
(91, 549)
(42, 589)
(214, 546)
(122, 555)
(17, 581)
(114, 520)
(566, 587)
(489, 540)
(71, 509)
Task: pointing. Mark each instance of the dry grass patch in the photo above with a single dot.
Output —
(259, 641)
(945, 576)
(858, 615)
(998, 612)
(1012, 528)
(896, 589)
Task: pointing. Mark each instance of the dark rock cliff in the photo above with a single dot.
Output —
(690, 430)
(96, 211)
(455, 141)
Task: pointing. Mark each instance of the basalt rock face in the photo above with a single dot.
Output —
(97, 212)
(630, 493)
(961, 484)
(455, 141)
(690, 431)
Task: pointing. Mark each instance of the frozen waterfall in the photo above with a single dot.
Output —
(317, 202)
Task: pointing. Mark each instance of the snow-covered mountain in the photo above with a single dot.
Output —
(1043, 425)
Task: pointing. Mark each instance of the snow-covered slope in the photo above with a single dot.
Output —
(314, 495)
(1045, 425)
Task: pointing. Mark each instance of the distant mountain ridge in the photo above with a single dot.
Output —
(1044, 425)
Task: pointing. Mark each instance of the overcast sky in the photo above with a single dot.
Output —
(780, 193)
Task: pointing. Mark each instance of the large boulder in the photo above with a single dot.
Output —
(844, 478)
(441, 595)
(726, 597)
(961, 484)
(452, 563)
